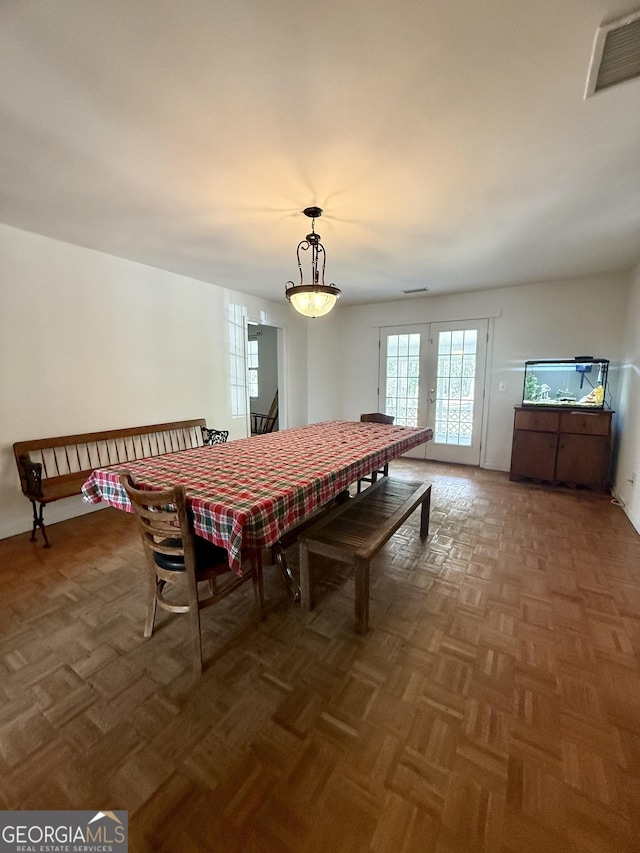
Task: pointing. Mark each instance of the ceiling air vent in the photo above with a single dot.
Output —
(417, 290)
(616, 54)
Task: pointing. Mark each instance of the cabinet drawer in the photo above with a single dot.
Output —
(537, 421)
(585, 423)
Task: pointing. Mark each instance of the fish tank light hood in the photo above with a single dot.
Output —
(573, 383)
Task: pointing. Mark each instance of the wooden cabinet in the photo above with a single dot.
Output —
(559, 446)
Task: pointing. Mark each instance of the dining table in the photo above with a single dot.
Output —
(248, 493)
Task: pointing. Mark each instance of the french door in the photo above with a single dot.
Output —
(433, 375)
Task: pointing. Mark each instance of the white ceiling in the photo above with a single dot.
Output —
(448, 141)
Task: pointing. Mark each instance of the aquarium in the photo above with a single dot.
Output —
(574, 383)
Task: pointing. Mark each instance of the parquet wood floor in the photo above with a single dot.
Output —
(493, 706)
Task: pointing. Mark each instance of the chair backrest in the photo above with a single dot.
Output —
(164, 524)
(214, 436)
(376, 418)
(261, 424)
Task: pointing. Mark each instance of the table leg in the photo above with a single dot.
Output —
(306, 580)
(280, 559)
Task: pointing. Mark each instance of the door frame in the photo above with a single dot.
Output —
(281, 351)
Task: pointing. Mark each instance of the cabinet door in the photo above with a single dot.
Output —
(583, 459)
(534, 454)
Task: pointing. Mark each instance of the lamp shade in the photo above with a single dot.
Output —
(313, 301)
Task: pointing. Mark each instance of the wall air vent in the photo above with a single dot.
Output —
(616, 54)
(417, 290)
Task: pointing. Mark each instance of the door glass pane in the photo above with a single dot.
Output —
(401, 381)
(238, 360)
(253, 367)
(455, 384)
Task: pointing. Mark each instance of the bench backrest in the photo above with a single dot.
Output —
(71, 457)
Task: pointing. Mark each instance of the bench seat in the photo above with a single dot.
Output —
(355, 531)
(66, 486)
(54, 468)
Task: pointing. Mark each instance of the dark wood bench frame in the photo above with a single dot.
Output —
(54, 468)
(345, 535)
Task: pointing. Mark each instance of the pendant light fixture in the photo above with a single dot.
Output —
(314, 299)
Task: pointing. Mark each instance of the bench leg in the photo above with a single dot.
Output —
(424, 515)
(38, 522)
(362, 595)
(306, 579)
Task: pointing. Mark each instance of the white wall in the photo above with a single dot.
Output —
(83, 335)
(89, 341)
(325, 361)
(547, 320)
(628, 461)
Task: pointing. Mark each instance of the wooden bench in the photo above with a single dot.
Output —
(55, 468)
(355, 532)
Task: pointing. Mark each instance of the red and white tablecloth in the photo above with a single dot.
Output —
(247, 493)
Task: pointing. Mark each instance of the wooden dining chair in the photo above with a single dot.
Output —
(375, 418)
(261, 424)
(178, 560)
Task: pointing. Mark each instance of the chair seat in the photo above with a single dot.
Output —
(207, 555)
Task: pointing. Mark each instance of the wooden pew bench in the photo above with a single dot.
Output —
(355, 532)
(55, 468)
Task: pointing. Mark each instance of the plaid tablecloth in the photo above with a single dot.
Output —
(247, 493)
